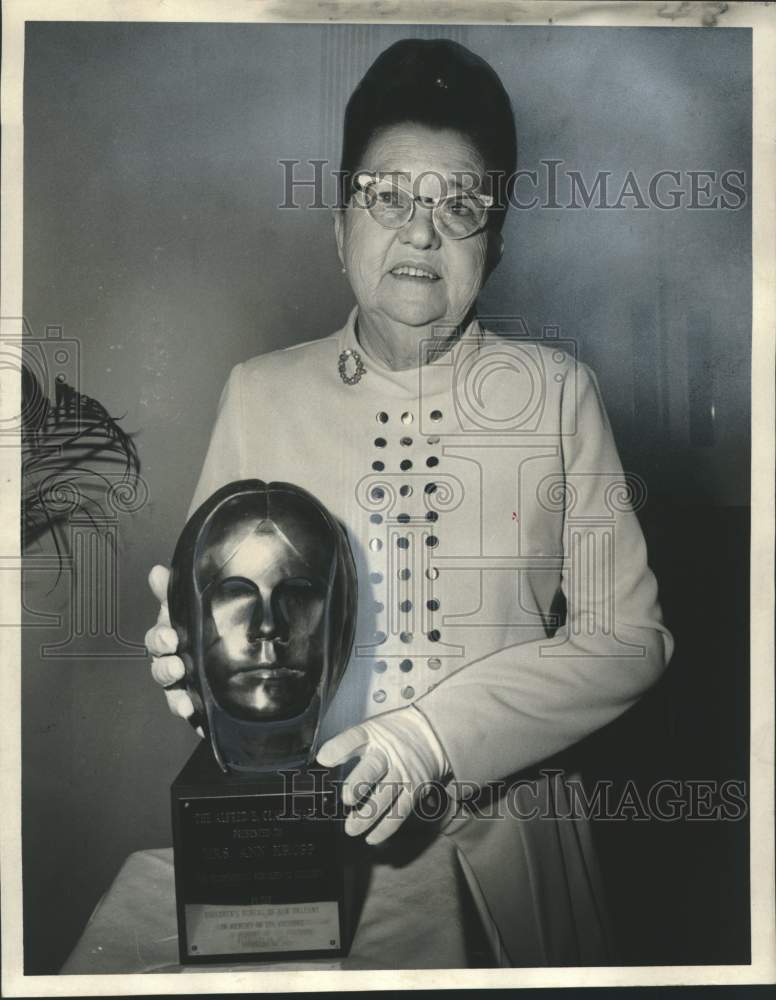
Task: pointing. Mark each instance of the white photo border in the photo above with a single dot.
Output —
(719, 16)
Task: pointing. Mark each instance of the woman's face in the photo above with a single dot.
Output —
(453, 270)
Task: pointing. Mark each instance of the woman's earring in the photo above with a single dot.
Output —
(344, 270)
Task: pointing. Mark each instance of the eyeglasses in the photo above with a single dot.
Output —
(456, 216)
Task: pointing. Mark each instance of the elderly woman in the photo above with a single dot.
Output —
(481, 490)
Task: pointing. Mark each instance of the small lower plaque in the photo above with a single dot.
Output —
(240, 930)
(259, 868)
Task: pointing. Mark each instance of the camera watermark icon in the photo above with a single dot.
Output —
(91, 506)
(45, 362)
(473, 483)
(79, 476)
(591, 503)
(93, 564)
(406, 545)
(501, 384)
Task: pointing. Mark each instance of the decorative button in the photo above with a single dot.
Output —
(405, 666)
(432, 541)
(375, 544)
(408, 691)
(376, 518)
(381, 666)
(379, 696)
(380, 442)
(436, 415)
(380, 638)
(432, 515)
(376, 577)
(407, 417)
(377, 493)
(382, 417)
(403, 543)
(434, 635)
(378, 606)
(406, 442)
(432, 573)
(403, 518)
(434, 663)
(404, 574)
(378, 466)
(431, 461)
(405, 490)
(433, 604)
(405, 636)
(406, 606)
(405, 464)
(430, 488)
(433, 440)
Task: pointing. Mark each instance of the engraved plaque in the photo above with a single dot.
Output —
(258, 864)
(262, 596)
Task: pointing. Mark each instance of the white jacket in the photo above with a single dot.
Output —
(500, 489)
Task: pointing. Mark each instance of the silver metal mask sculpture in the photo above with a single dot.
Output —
(262, 594)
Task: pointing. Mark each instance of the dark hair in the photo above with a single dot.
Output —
(442, 85)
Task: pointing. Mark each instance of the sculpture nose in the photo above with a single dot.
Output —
(266, 624)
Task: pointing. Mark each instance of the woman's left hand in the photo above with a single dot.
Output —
(400, 756)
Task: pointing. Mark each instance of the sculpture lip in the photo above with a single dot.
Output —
(269, 672)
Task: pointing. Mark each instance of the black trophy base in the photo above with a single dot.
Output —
(259, 867)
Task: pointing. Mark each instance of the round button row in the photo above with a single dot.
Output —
(407, 417)
(375, 544)
(406, 692)
(405, 490)
(434, 663)
(406, 606)
(406, 463)
(433, 636)
(377, 493)
(432, 573)
(430, 515)
(404, 543)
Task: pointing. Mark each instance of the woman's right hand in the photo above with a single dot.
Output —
(161, 641)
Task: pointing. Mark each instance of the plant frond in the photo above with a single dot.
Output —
(67, 444)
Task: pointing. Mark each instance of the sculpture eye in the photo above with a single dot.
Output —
(233, 604)
(236, 586)
(297, 598)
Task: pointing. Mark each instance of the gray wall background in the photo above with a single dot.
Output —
(154, 240)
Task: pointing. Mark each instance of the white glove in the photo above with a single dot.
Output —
(161, 641)
(399, 753)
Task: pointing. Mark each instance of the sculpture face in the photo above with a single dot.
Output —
(262, 594)
(264, 625)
